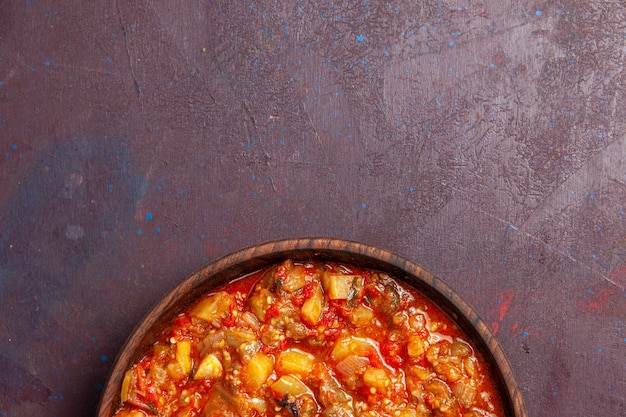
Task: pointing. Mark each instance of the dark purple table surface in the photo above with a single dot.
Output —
(484, 140)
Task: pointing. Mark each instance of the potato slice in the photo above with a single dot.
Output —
(215, 306)
(289, 385)
(209, 367)
(257, 370)
(350, 345)
(376, 378)
(361, 315)
(294, 361)
(183, 356)
(260, 301)
(416, 346)
(311, 310)
(338, 286)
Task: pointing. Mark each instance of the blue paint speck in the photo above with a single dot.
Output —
(592, 196)
(158, 230)
(47, 64)
(599, 350)
(1, 83)
(538, 13)
(554, 393)
(110, 187)
(525, 334)
(139, 231)
(411, 189)
(451, 43)
(148, 216)
(363, 205)
(360, 38)
(104, 358)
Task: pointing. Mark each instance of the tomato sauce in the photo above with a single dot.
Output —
(311, 339)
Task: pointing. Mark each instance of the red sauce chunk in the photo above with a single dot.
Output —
(311, 339)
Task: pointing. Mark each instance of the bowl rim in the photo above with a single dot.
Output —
(252, 258)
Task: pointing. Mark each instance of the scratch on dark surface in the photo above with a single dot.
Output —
(246, 108)
(128, 54)
(556, 189)
(619, 398)
(619, 182)
(311, 123)
(590, 269)
(556, 250)
(262, 161)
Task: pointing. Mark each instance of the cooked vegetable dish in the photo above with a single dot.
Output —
(310, 339)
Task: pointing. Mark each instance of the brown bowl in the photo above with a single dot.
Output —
(257, 257)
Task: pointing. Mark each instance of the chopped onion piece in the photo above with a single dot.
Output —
(351, 364)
